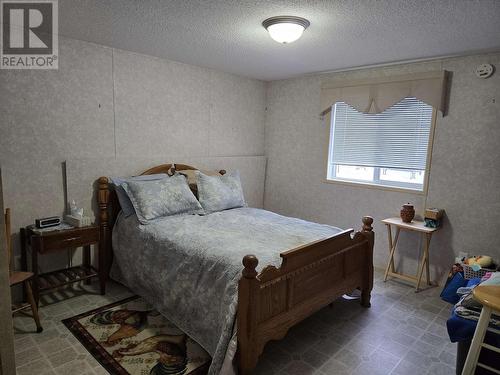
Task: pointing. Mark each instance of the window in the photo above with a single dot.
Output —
(387, 149)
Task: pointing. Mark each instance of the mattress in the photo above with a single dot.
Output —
(188, 266)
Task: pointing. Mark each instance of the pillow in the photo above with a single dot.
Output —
(192, 176)
(158, 198)
(125, 203)
(217, 193)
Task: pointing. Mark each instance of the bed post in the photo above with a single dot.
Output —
(104, 240)
(367, 286)
(247, 316)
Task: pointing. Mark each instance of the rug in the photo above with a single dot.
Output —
(129, 337)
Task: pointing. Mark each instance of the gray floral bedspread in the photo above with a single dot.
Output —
(188, 266)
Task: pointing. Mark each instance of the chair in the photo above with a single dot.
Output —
(17, 277)
(489, 297)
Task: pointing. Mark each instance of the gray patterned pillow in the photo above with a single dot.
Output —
(125, 203)
(217, 193)
(166, 197)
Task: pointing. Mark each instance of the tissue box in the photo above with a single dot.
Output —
(78, 221)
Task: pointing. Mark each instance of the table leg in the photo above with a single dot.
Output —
(35, 246)
(389, 240)
(24, 257)
(102, 268)
(86, 261)
(396, 238)
(427, 244)
(392, 250)
(34, 307)
(389, 234)
(421, 267)
(477, 341)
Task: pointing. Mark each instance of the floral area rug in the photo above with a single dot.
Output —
(129, 337)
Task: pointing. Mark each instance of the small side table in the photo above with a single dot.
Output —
(415, 226)
(40, 243)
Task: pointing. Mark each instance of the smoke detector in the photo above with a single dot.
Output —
(484, 71)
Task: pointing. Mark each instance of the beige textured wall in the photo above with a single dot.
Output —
(464, 178)
(117, 105)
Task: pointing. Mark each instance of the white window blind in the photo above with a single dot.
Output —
(395, 138)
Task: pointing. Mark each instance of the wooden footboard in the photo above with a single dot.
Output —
(310, 277)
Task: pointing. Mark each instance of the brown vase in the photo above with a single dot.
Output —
(407, 213)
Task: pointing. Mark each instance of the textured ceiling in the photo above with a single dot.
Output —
(227, 35)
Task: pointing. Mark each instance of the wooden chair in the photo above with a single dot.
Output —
(18, 277)
(489, 297)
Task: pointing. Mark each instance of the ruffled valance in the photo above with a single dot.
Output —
(376, 95)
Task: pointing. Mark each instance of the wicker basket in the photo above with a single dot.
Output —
(469, 273)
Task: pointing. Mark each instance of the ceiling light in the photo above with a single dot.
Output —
(285, 29)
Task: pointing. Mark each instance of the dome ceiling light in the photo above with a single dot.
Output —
(285, 29)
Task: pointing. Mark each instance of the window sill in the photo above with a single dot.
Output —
(368, 185)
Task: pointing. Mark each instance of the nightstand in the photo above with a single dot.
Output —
(44, 242)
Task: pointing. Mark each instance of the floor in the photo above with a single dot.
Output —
(402, 333)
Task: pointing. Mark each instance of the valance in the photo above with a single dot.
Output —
(376, 95)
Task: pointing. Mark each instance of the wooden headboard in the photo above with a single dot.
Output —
(109, 207)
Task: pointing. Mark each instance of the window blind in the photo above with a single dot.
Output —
(395, 138)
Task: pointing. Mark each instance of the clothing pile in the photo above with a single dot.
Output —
(467, 307)
(465, 313)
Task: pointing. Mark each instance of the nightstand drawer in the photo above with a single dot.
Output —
(68, 239)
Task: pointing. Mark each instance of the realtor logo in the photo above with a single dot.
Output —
(29, 34)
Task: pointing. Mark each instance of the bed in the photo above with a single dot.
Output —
(243, 270)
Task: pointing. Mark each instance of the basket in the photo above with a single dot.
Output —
(469, 273)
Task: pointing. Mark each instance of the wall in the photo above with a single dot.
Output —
(464, 176)
(117, 106)
(106, 106)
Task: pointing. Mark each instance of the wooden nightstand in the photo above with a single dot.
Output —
(39, 243)
(414, 226)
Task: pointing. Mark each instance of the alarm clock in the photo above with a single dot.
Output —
(46, 222)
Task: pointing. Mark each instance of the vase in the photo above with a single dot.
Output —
(407, 213)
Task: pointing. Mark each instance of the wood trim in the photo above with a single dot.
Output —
(171, 168)
(168, 169)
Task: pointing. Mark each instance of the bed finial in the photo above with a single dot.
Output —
(367, 223)
(171, 170)
(250, 262)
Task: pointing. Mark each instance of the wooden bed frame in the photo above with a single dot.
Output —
(272, 301)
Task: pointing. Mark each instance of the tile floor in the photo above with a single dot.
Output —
(403, 333)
